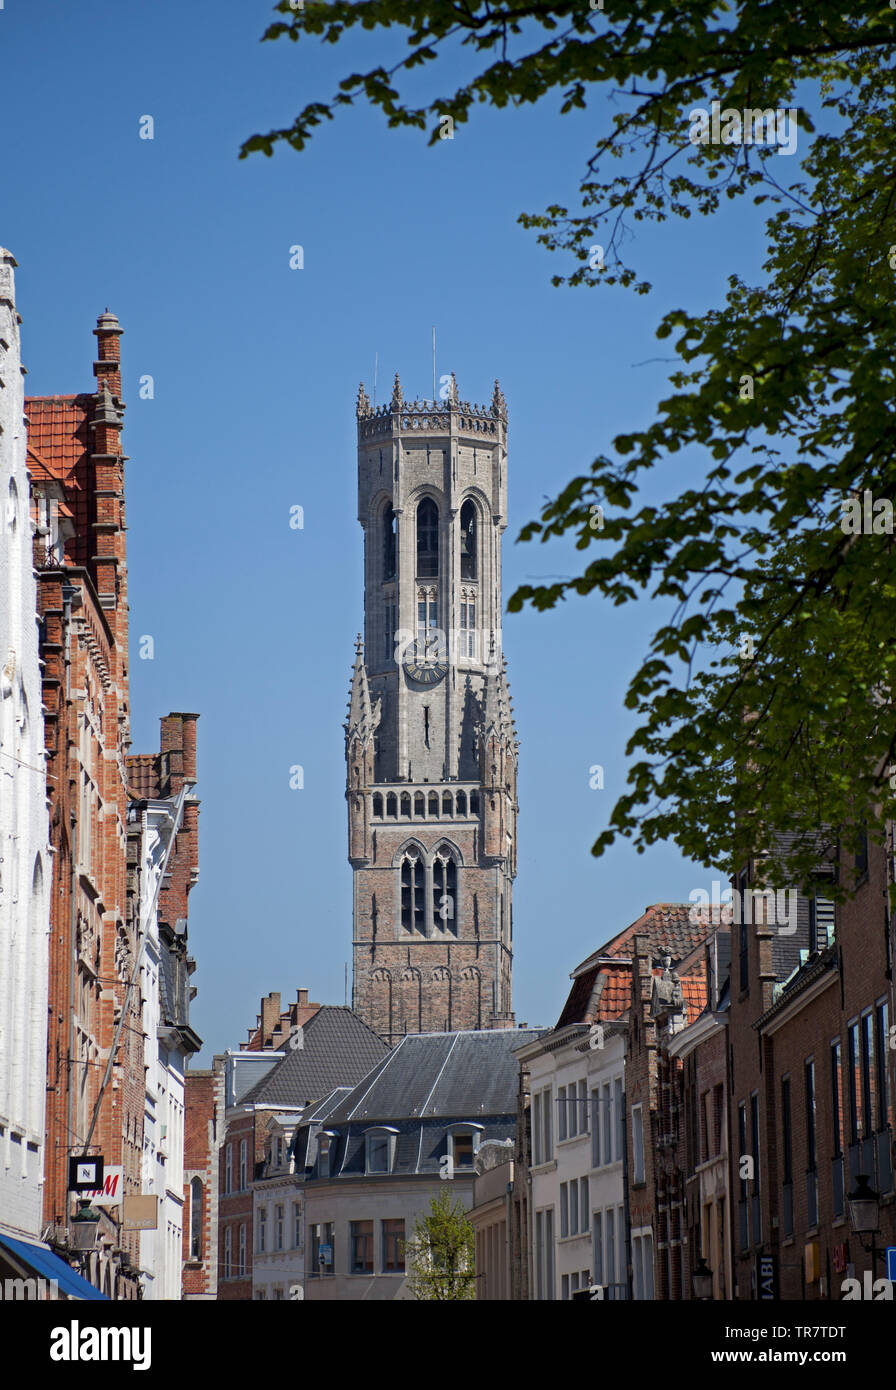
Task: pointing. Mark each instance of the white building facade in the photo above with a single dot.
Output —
(25, 864)
(578, 1232)
(153, 825)
(278, 1217)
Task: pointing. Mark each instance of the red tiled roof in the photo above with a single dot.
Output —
(58, 444)
(666, 925)
(143, 776)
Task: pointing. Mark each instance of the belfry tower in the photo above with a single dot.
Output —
(431, 747)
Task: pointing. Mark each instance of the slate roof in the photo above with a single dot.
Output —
(339, 1049)
(601, 987)
(452, 1075)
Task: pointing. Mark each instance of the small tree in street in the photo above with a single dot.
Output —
(440, 1255)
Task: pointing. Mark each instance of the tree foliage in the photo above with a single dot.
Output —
(441, 1254)
(765, 701)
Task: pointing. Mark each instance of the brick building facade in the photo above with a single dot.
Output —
(812, 1085)
(77, 467)
(431, 749)
(668, 987)
(203, 1132)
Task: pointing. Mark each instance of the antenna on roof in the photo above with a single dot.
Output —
(376, 363)
(434, 365)
(346, 984)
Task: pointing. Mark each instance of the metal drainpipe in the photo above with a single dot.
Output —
(625, 1205)
(508, 1240)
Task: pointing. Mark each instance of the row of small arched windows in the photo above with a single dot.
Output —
(428, 540)
(424, 805)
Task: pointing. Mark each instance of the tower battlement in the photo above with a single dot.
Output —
(449, 416)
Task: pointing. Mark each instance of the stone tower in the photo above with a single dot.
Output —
(431, 749)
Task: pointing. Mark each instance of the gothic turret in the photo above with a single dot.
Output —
(432, 797)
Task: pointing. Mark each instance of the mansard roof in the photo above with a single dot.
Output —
(451, 1075)
(338, 1050)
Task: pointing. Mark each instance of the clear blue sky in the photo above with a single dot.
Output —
(256, 369)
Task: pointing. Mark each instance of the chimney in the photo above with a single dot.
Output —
(302, 996)
(270, 1017)
(107, 367)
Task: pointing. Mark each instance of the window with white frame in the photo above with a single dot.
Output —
(584, 1125)
(296, 1225)
(228, 1169)
(584, 1205)
(596, 1126)
(619, 1113)
(597, 1246)
(379, 1150)
(607, 1118)
(242, 1248)
(564, 1210)
(244, 1150)
(542, 1126)
(278, 1227)
(228, 1251)
(462, 1143)
(262, 1229)
(637, 1143)
(561, 1112)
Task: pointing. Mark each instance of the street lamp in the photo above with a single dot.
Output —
(83, 1227)
(864, 1207)
(864, 1214)
(701, 1279)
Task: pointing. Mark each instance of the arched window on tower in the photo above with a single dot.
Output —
(391, 804)
(406, 804)
(468, 540)
(196, 1219)
(389, 529)
(413, 908)
(419, 804)
(461, 803)
(427, 539)
(377, 804)
(444, 891)
(433, 803)
(447, 808)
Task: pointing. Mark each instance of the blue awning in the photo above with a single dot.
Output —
(41, 1259)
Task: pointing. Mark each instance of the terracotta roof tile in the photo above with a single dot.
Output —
(665, 925)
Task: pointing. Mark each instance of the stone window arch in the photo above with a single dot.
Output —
(419, 804)
(443, 879)
(469, 539)
(413, 891)
(460, 804)
(378, 804)
(391, 804)
(427, 539)
(447, 804)
(406, 804)
(390, 532)
(434, 803)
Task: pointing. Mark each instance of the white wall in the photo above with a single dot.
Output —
(26, 870)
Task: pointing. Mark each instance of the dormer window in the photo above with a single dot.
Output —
(380, 1149)
(463, 1141)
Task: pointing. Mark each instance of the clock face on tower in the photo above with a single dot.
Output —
(422, 662)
